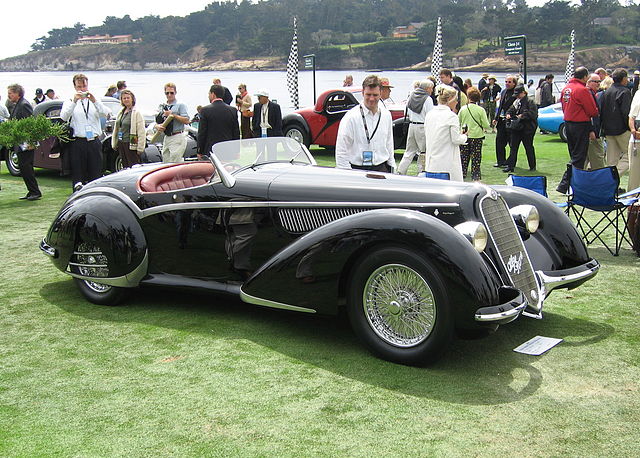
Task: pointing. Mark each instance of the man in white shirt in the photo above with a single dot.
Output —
(418, 105)
(365, 135)
(83, 113)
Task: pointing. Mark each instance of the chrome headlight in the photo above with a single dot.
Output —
(475, 233)
(526, 216)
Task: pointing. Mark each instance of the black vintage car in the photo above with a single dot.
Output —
(411, 258)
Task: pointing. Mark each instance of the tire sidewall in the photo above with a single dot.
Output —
(113, 296)
(12, 166)
(302, 130)
(434, 345)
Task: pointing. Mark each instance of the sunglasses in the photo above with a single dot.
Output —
(594, 81)
(169, 93)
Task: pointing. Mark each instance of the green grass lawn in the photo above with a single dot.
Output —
(180, 374)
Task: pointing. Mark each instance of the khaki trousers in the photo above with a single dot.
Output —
(617, 147)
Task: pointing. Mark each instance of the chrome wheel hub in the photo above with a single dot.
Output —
(399, 305)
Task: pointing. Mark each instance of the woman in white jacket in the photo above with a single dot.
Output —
(129, 136)
(442, 132)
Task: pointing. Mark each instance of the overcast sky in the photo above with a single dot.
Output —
(34, 18)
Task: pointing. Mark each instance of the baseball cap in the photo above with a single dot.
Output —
(38, 91)
(262, 92)
(518, 90)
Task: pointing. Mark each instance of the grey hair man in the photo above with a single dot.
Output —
(615, 104)
(418, 105)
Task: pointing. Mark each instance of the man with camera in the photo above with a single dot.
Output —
(83, 114)
(171, 120)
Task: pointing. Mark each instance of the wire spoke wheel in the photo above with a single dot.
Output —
(399, 305)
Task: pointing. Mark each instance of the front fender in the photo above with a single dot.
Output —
(313, 271)
(556, 245)
(101, 220)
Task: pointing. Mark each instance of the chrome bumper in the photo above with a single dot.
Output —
(567, 278)
(48, 250)
(505, 312)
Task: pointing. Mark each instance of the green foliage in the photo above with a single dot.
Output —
(30, 130)
(265, 27)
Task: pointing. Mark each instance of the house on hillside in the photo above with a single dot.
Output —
(407, 31)
(102, 39)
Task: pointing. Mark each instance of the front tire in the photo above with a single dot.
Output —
(298, 133)
(398, 306)
(12, 163)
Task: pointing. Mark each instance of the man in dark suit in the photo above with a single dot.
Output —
(267, 117)
(23, 109)
(218, 122)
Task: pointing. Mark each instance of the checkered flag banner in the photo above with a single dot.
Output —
(292, 67)
(568, 73)
(436, 59)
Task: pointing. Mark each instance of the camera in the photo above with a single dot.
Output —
(464, 128)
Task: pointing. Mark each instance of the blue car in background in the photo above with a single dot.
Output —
(551, 119)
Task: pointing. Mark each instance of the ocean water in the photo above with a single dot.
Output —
(193, 87)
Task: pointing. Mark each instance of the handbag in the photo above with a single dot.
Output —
(514, 124)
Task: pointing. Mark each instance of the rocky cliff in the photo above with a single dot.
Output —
(136, 57)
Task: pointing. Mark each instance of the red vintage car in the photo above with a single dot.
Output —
(318, 125)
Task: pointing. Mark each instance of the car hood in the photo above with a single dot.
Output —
(324, 184)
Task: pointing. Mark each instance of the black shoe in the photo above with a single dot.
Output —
(562, 189)
(24, 197)
(621, 190)
(497, 164)
(507, 169)
(34, 196)
(532, 169)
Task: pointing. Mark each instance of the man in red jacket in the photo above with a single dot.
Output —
(578, 106)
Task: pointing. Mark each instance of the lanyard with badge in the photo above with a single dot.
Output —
(88, 130)
(367, 156)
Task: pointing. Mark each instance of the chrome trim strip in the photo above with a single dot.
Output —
(106, 190)
(259, 204)
(87, 265)
(549, 282)
(126, 281)
(267, 303)
(502, 315)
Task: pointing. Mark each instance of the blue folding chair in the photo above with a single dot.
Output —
(597, 191)
(436, 175)
(535, 183)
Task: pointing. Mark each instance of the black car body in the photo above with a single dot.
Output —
(411, 258)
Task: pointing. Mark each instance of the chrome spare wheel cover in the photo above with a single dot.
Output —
(399, 305)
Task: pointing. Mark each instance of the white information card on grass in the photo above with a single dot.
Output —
(537, 346)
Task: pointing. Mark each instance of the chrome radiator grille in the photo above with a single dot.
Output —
(301, 220)
(507, 241)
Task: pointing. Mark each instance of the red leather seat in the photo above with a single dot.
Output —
(176, 176)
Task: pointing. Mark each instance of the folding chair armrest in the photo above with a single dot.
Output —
(633, 192)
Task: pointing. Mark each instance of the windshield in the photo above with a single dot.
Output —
(238, 154)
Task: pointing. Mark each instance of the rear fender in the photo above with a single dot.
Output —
(313, 271)
(106, 222)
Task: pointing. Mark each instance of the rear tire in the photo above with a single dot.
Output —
(99, 293)
(398, 307)
(12, 163)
